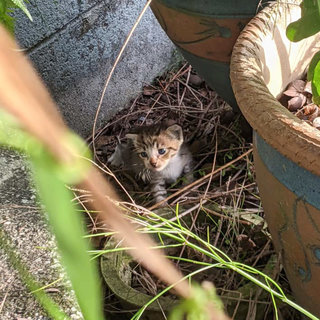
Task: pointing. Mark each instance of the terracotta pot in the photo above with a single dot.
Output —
(205, 32)
(286, 149)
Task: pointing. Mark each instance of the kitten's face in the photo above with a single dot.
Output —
(156, 146)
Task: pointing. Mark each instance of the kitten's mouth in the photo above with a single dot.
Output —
(156, 168)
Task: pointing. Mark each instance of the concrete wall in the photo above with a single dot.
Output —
(73, 44)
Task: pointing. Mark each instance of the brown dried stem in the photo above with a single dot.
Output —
(24, 96)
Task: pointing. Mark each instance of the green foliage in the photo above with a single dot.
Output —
(51, 178)
(6, 7)
(197, 307)
(308, 24)
(165, 228)
(314, 77)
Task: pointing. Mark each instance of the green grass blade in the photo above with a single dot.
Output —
(21, 5)
(51, 177)
(68, 230)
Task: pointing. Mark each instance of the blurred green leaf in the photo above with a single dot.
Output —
(65, 221)
(21, 5)
(199, 306)
(68, 230)
(6, 7)
(312, 66)
(315, 79)
(308, 24)
(7, 21)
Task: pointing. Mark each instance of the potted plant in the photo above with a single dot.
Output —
(286, 149)
(205, 32)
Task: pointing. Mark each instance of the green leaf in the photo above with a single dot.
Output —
(6, 7)
(7, 21)
(11, 135)
(68, 230)
(75, 171)
(313, 64)
(51, 177)
(199, 306)
(315, 83)
(308, 24)
(21, 5)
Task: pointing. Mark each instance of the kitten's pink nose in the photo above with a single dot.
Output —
(153, 162)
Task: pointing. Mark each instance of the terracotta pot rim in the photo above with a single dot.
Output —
(289, 135)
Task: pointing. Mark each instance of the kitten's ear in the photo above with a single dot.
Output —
(132, 136)
(175, 131)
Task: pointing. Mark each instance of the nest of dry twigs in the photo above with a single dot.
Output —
(224, 186)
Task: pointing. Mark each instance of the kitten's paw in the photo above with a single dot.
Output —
(159, 203)
(187, 179)
(162, 204)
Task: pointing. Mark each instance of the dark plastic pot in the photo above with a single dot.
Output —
(205, 32)
(286, 149)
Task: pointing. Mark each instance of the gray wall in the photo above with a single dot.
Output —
(73, 44)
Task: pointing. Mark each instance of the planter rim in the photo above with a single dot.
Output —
(294, 138)
(208, 8)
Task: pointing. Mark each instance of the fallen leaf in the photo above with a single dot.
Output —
(245, 242)
(308, 88)
(148, 91)
(299, 85)
(291, 92)
(103, 140)
(310, 109)
(297, 102)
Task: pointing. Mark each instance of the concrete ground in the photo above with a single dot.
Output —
(26, 227)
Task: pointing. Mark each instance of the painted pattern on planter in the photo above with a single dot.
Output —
(205, 32)
(202, 35)
(291, 200)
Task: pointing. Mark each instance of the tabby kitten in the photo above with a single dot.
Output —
(157, 155)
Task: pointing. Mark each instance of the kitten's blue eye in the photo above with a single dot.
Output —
(143, 154)
(162, 151)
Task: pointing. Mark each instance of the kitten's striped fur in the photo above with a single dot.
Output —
(157, 155)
